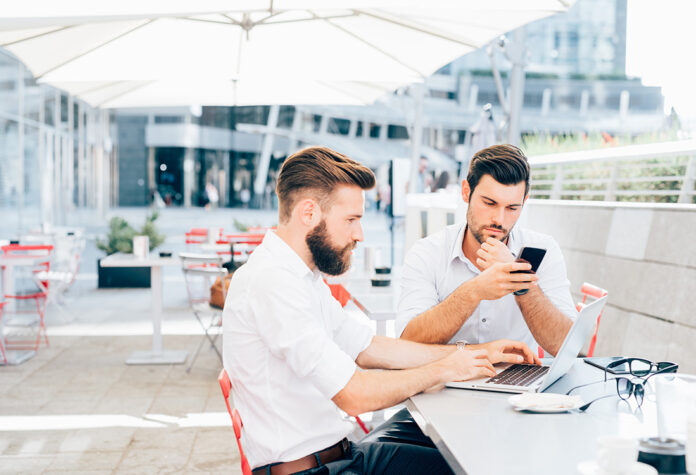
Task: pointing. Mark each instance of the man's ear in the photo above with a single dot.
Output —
(466, 191)
(309, 212)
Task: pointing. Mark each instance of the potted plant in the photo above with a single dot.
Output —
(120, 239)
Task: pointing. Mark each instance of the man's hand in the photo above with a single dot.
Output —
(498, 280)
(461, 365)
(492, 251)
(508, 351)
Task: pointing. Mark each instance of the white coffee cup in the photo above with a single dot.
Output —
(691, 442)
(616, 454)
(141, 246)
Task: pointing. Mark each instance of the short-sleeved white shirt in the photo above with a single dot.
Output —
(289, 348)
(435, 266)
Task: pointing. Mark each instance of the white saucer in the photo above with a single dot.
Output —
(544, 403)
(590, 467)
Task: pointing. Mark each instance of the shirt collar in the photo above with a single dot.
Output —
(286, 256)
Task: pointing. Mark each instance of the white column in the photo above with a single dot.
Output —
(516, 52)
(353, 129)
(473, 98)
(189, 176)
(546, 102)
(20, 148)
(584, 102)
(418, 91)
(266, 149)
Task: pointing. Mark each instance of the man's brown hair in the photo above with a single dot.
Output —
(506, 163)
(317, 170)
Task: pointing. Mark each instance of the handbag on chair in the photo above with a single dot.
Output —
(217, 296)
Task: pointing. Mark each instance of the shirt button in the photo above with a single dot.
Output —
(483, 320)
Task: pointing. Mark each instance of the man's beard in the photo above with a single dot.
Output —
(327, 258)
(477, 231)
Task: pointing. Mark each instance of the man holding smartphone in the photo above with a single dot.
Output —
(463, 284)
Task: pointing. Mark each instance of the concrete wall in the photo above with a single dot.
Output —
(645, 256)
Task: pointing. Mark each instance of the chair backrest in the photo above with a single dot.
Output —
(226, 386)
(200, 271)
(587, 290)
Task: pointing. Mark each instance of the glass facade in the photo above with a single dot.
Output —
(55, 153)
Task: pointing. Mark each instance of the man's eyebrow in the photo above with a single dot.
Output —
(495, 202)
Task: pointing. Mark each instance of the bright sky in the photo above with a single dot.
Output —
(661, 48)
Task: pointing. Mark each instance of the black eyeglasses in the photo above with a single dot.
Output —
(640, 370)
(640, 367)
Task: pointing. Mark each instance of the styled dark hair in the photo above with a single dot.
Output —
(318, 171)
(506, 163)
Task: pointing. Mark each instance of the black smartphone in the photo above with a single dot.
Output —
(533, 255)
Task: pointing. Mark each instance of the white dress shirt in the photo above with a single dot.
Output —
(289, 348)
(435, 266)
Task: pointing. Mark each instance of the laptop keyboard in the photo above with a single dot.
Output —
(519, 375)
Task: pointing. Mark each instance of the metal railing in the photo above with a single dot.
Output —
(658, 172)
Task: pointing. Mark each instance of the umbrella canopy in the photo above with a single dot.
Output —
(337, 42)
(225, 92)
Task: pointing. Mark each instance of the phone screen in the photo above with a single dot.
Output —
(533, 255)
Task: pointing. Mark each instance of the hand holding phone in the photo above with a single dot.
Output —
(532, 255)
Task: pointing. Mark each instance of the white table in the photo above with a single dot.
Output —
(478, 432)
(378, 303)
(158, 355)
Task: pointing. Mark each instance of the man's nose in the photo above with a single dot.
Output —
(498, 216)
(358, 233)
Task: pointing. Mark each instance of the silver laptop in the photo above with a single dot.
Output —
(522, 378)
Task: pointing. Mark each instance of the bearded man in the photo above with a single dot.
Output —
(292, 353)
(461, 285)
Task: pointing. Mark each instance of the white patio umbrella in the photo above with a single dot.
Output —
(339, 41)
(225, 92)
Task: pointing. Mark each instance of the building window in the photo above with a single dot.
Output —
(339, 126)
(397, 132)
(374, 130)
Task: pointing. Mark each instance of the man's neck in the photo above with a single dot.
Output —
(296, 241)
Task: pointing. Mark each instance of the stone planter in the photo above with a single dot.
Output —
(122, 277)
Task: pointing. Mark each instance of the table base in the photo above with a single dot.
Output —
(165, 357)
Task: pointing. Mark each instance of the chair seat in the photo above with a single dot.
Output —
(54, 276)
(205, 308)
(22, 320)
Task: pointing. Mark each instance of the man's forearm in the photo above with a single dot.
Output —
(548, 325)
(374, 390)
(390, 353)
(443, 321)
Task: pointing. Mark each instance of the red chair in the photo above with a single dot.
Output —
(2, 337)
(226, 386)
(39, 296)
(196, 236)
(587, 290)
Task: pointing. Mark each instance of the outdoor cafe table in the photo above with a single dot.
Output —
(479, 433)
(158, 355)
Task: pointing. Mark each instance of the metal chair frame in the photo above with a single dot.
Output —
(203, 269)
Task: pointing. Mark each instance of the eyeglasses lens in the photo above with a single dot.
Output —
(639, 392)
(624, 387)
(640, 367)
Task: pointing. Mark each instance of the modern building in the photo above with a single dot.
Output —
(56, 154)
